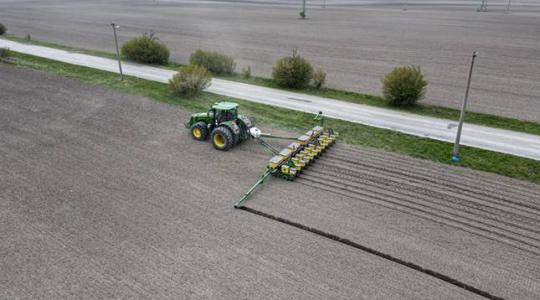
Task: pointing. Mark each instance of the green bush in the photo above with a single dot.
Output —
(215, 62)
(319, 78)
(3, 29)
(4, 52)
(292, 71)
(146, 49)
(404, 86)
(190, 81)
(246, 72)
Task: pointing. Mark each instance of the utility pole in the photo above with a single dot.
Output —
(455, 153)
(114, 26)
(483, 6)
(303, 12)
(508, 6)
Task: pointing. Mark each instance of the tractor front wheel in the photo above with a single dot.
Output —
(199, 131)
(222, 138)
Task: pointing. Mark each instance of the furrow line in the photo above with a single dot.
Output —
(383, 174)
(468, 207)
(440, 217)
(377, 253)
(525, 234)
(408, 164)
(436, 192)
(470, 186)
(445, 175)
(449, 174)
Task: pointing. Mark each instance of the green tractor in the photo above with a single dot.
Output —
(222, 123)
(227, 128)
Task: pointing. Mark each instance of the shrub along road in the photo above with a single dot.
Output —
(499, 140)
(355, 45)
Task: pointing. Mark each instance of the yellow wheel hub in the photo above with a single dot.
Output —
(219, 141)
(197, 133)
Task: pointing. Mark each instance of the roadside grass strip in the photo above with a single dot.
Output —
(347, 96)
(351, 133)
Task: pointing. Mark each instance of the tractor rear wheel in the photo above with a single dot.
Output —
(199, 131)
(222, 138)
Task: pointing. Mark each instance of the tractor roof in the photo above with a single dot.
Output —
(224, 105)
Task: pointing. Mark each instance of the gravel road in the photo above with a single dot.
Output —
(357, 45)
(104, 195)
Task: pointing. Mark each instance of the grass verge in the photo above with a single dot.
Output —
(352, 133)
(359, 98)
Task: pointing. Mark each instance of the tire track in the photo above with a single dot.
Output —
(406, 162)
(446, 176)
(433, 190)
(513, 211)
(497, 232)
(409, 165)
(372, 251)
(478, 206)
(441, 177)
(520, 222)
(429, 216)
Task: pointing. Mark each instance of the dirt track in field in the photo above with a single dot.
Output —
(506, 212)
(104, 195)
(495, 240)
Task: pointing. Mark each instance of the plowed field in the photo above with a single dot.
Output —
(105, 195)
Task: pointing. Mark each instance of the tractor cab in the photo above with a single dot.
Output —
(224, 112)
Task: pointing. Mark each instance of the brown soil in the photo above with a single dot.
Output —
(105, 195)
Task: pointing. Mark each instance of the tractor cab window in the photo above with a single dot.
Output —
(225, 115)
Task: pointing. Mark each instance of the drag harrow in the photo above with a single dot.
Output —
(226, 128)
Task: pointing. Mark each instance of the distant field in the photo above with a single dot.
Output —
(374, 2)
(357, 42)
